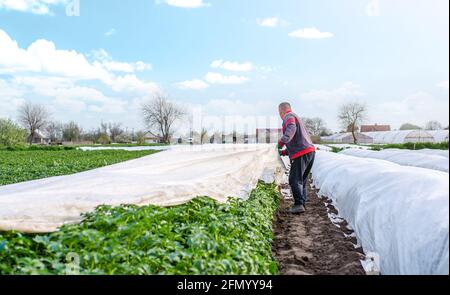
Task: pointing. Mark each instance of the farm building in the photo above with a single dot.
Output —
(399, 137)
(40, 138)
(375, 128)
(268, 135)
(347, 138)
(151, 139)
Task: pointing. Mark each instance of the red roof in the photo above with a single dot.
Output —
(375, 128)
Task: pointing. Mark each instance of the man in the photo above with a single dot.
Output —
(301, 151)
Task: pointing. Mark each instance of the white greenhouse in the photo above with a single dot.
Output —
(347, 138)
(399, 137)
(439, 135)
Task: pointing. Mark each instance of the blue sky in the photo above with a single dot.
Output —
(231, 57)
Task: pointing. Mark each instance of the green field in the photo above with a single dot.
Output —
(35, 163)
(201, 237)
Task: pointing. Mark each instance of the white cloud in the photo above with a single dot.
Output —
(237, 107)
(232, 66)
(67, 95)
(346, 92)
(43, 57)
(310, 33)
(420, 107)
(10, 99)
(325, 102)
(272, 22)
(44, 74)
(187, 3)
(131, 84)
(443, 84)
(32, 6)
(110, 33)
(217, 78)
(104, 60)
(195, 84)
(142, 66)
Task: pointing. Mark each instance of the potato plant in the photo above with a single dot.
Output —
(200, 237)
(29, 164)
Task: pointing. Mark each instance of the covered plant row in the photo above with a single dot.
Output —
(399, 213)
(404, 158)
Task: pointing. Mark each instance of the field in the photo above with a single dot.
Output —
(36, 163)
(354, 209)
(201, 237)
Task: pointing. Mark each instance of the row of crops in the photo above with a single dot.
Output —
(200, 237)
(29, 164)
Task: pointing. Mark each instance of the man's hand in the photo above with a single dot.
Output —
(282, 153)
(280, 147)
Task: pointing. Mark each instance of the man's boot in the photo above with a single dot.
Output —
(297, 209)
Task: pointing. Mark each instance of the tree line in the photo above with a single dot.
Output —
(159, 116)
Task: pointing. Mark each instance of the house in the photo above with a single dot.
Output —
(375, 128)
(268, 135)
(40, 138)
(149, 138)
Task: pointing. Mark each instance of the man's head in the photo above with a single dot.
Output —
(283, 109)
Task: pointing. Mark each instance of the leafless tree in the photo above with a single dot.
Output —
(160, 115)
(433, 125)
(315, 126)
(115, 130)
(54, 131)
(33, 117)
(103, 128)
(203, 135)
(351, 116)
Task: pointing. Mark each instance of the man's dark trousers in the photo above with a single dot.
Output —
(298, 177)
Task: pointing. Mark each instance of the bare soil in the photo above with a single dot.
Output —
(310, 244)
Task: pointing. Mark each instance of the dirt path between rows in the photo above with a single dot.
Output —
(310, 244)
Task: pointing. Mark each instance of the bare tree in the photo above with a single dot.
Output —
(160, 115)
(433, 125)
(315, 126)
(203, 135)
(351, 116)
(115, 130)
(54, 131)
(33, 117)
